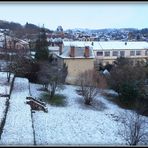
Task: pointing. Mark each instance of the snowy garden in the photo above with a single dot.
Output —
(72, 124)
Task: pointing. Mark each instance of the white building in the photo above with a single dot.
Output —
(107, 52)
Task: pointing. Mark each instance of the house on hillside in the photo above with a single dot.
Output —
(14, 43)
(77, 58)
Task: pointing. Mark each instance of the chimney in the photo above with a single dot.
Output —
(86, 52)
(72, 51)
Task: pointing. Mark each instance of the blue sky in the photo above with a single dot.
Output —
(93, 15)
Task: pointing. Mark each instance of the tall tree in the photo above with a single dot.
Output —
(41, 47)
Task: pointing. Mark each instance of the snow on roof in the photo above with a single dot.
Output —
(54, 39)
(53, 48)
(79, 53)
(76, 43)
(33, 52)
(23, 41)
(106, 72)
(109, 45)
(1, 33)
(114, 45)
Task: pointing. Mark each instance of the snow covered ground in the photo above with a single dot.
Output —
(4, 89)
(18, 127)
(76, 124)
(73, 124)
(4, 85)
(3, 101)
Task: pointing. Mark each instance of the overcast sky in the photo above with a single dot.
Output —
(95, 15)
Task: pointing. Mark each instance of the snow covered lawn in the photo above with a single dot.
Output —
(4, 85)
(76, 124)
(3, 101)
(73, 124)
(18, 127)
(4, 89)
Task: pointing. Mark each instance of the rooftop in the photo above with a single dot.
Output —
(109, 45)
(53, 48)
(79, 53)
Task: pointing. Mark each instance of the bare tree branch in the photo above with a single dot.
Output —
(88, 82)
(135, 128)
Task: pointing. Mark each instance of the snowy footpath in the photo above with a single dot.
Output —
(18, 126)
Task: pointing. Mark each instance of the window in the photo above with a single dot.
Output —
(138, 52)
(107, 53)
(115, 53)
(100, 53)
(132, 53)
(122, 53)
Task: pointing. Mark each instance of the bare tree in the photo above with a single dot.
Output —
(20, 63)
(135, 128)
(6, 56)
(9, 60)
(88, 82)
(13, 64)
(43, 74)
(51, 76)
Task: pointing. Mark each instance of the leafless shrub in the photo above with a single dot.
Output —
(135, 128)
(88, 82)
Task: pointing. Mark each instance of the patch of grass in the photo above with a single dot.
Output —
(57, 100)
(117, 100)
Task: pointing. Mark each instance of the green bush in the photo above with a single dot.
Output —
(57, 100)
(128, 81)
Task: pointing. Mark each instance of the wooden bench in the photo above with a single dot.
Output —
(36, 104)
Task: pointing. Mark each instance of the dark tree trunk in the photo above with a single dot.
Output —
(88, 101)
(52, 93)
(8, 76)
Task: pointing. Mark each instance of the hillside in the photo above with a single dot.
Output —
(28, 30)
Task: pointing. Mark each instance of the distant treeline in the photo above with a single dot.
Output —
(15, 26)
(21, 31)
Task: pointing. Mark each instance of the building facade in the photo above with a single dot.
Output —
(80, 56)
(108, 51)
(77, 59)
